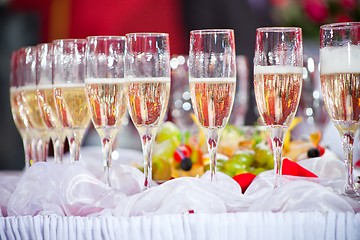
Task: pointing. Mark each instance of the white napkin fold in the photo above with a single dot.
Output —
(65, 190)
(77, 190)
(8, 183)
(186, 195)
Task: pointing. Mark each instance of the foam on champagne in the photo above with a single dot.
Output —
(28, 88)
(45, 86)
(147, 80)
(104, 80)
(345, 59)
(276, 69)
(35, 87)
(69, 85)
(213, 80)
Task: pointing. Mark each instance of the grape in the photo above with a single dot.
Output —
(263, 156)
(313, 152)
(186, 164)
(245, 157)
(168, 130)
(238, 163)
(220, 163)
(256, 171)
(233, 168)
(270, 163)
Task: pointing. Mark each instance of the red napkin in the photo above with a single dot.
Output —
(288, 168)
(294, 169)
(357, 163)
(244, 180)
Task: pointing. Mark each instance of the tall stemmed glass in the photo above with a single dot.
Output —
(277, 83)
(46, 99)
(30, 101)
(340, 85)
(105, 91)
(18, 112)
(147, 85)
(212, 79)
(69, 66)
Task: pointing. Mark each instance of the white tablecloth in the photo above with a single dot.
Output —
(245, 225)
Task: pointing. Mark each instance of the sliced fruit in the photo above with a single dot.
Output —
(168, 130)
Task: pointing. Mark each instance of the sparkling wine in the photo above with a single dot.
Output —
(277, 91)
(17, 110)
(342, 98)
(107, 104)
(212, 100)
(71, 105)
(147, 100)
(47, 107)
(30, 101)
(340, 85)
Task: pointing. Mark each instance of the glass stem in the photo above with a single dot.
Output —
(107, 151)
(58, 144)
(348, 146)
(147, 141)
(277, 138)
(74, 149)
(212, 136)
(42, 148)
(27, 150)
(34, 152)
(75, 140)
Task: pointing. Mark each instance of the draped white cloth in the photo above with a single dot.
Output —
(70, 201)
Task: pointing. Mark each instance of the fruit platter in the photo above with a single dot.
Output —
(245, 149)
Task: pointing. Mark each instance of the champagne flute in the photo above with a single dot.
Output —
(69, 66)
(277, 83)
(147, 85)
(46, 99)
(30, 101)
(212, 79)
(340, 86)
(19, 115)
(105, 91)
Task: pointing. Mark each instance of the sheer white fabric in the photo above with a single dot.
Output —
(70, 201)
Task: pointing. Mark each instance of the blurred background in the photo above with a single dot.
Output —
(29, 22)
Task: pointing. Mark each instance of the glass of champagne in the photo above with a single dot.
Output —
(147, 85)
(105, 91)
(278, 69)
(69, 67)
(19, 115)
(340, 86)
(30, 101)
(46, 99)
(212, 79)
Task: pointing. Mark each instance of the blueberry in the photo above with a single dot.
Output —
(186, 164)
(313, 152)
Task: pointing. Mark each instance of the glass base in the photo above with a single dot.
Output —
(352, 194)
